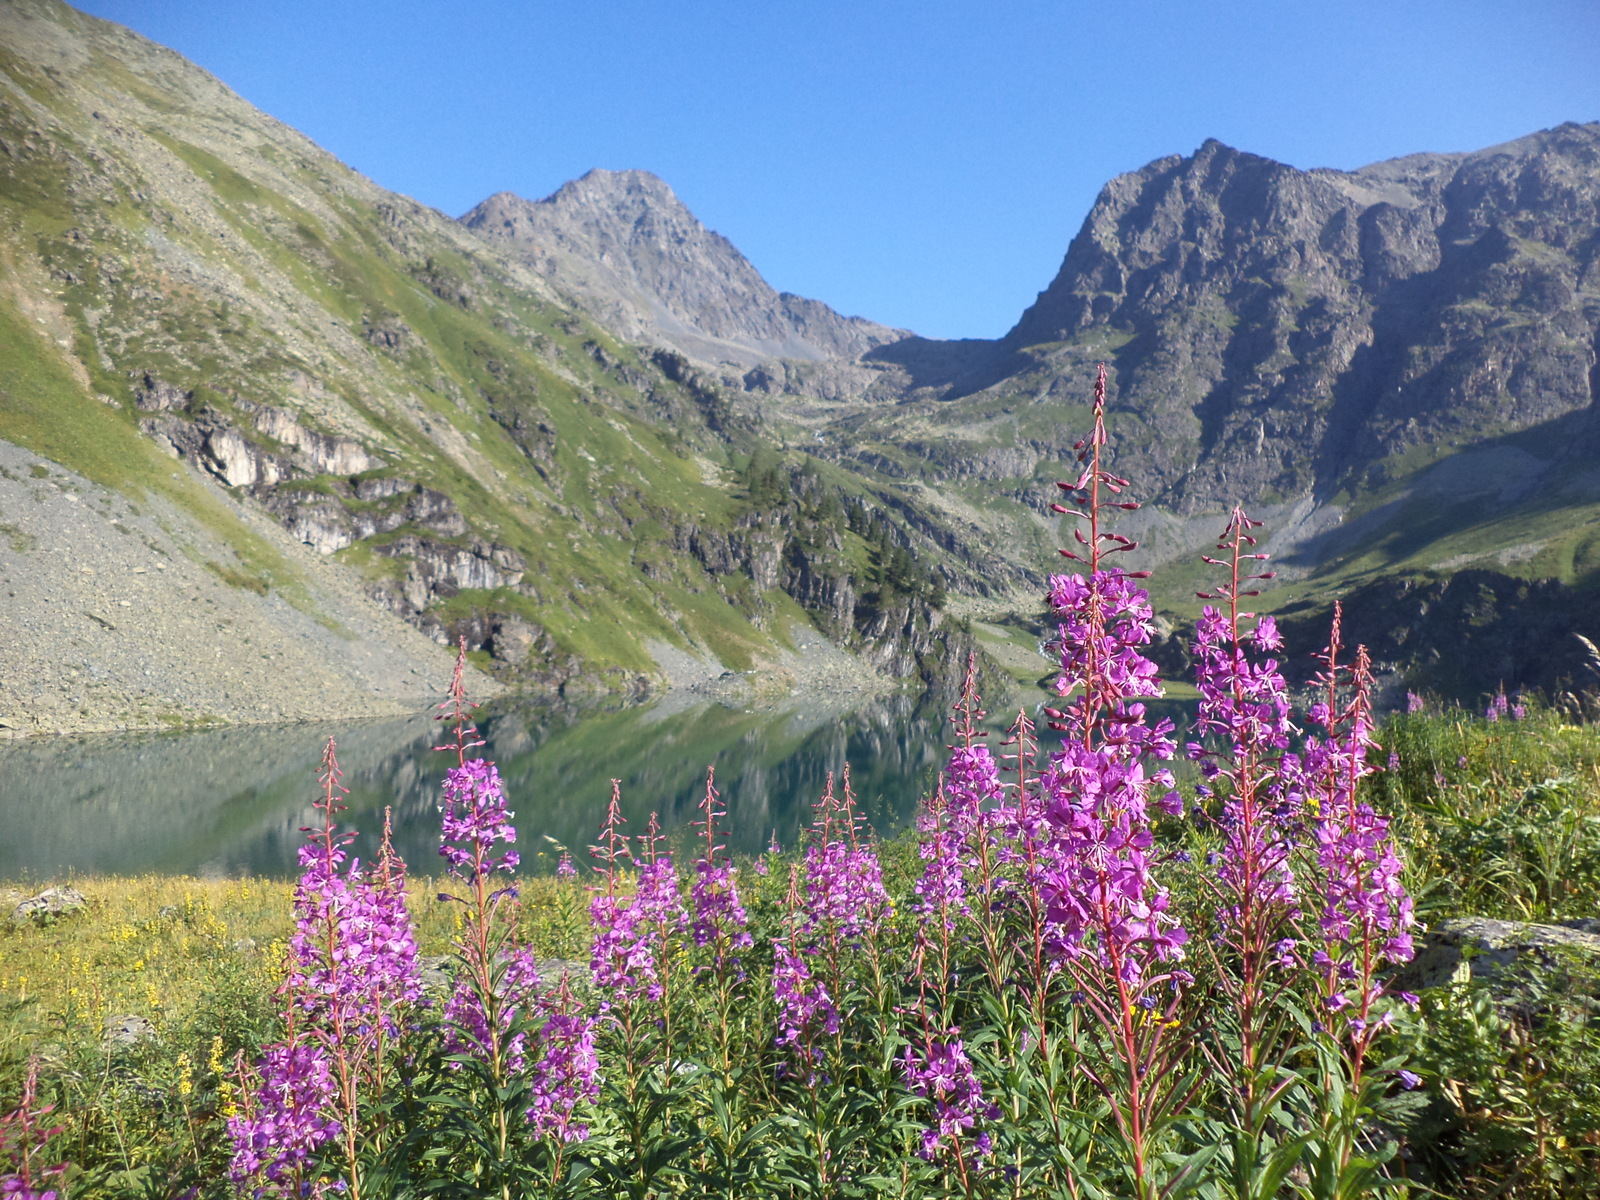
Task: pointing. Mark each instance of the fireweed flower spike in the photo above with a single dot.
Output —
(940, 1072)
(390, 935)
(1101, 897)
(844, 892)
(352, 961)
(289, 1119)
(466, 1024)
(1366, 913)
(1245, 703)
(805, 1009)
(942, 891)
(625, 956)
(475, 820)
(1244, 706)
(1365, 916)
(1107, 917)
(719, 919)
(567, 1071)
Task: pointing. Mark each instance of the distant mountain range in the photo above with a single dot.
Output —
(582, 431)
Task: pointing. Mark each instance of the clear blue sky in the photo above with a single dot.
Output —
(923, 164)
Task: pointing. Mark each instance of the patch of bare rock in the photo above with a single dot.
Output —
(125, 614)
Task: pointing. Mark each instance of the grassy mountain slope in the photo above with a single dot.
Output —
(426, 410)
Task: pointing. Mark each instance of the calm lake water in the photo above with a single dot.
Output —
(232, 801)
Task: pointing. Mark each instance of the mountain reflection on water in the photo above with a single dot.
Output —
(232, 801)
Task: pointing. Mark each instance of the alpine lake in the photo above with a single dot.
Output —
(233, 801)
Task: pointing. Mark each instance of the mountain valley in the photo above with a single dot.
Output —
(584, 434)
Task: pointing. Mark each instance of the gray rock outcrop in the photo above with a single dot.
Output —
(632, 252)
(51, 903)
(1294, 328)
(1492, 950)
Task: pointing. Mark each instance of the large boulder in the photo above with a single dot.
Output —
(49, 904)
(1495, 951)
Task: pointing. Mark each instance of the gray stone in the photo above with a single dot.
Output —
(1488, 948)
(52, 902)
(433, 971)
(131, 1029)
(153, 395)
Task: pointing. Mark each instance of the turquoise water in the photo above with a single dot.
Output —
(232, 801)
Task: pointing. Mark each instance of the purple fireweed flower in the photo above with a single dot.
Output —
(1101, 903)
(844, 890)
(291, 1117)
(1414, 703)
(1095, 878)
(942, 890)
(373, 962)
(1246, 704)
(719, 918)
(971, 781)
(805, 1010)
(474, 820)
(564, 868)
(1267, 637)
(624, 957)
(1243, 701)
(565, 1070)
(1363, 893)
(353, 955)
(942, 1074)
(1103, 618)
(1366, 914)
(554, 1045)
(466, 1024)
(718, 912)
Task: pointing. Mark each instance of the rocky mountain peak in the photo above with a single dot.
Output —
(1279, 329)
(625, 246)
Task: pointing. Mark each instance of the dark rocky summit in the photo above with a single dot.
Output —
(1274, 331)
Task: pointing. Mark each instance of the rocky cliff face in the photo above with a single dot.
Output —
(1278, 331)
(629, 249)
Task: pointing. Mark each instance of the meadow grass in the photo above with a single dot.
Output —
(1498, 819)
